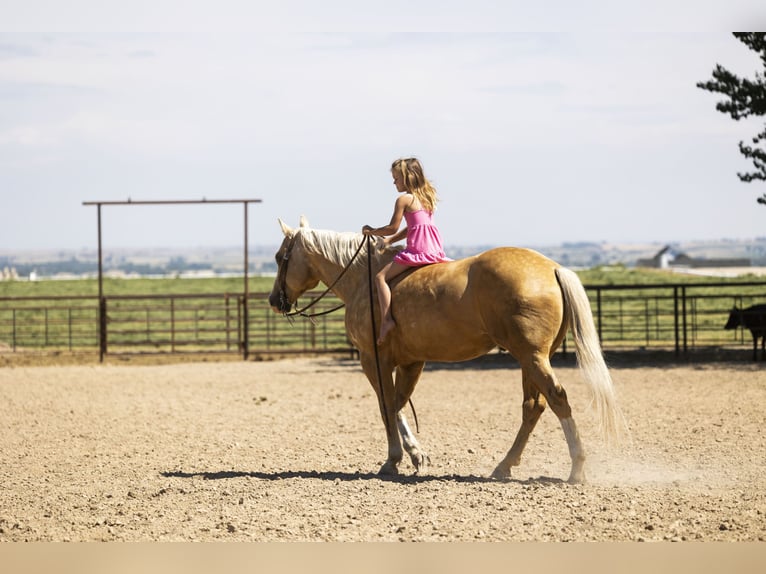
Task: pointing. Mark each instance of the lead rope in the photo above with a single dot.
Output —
(375, 342)
(375, 333)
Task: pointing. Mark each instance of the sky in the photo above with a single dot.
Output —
(531, 138)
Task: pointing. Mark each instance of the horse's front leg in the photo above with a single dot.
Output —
(406, 379)
(384, 389)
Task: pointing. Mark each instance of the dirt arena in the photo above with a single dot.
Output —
(288, 451)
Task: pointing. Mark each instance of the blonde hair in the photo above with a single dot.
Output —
(415, 182)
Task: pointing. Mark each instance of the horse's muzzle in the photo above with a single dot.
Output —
(279, 303)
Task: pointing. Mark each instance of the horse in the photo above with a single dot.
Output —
(512, 298)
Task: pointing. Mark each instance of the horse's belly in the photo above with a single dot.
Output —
(439, 340)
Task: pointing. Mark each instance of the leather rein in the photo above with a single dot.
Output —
(282, 281)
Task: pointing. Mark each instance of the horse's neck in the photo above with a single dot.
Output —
(329, 264)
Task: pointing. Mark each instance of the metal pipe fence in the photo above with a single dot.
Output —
(209, 323)
(679, 317)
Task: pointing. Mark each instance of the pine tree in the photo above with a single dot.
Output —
(745, 98)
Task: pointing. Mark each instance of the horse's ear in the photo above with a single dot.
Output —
(304, 222)
(285, 228)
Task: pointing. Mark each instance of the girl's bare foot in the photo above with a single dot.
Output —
(385, 327)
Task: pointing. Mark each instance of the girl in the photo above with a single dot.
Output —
(424, 244)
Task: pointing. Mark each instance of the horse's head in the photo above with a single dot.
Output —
(735, 318)
(294, 273)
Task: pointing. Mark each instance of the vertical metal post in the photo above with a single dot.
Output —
(101, 300)
(675, 321)
(246, 329)
(646, 321)
(600, 326)
(683, 306)
(227, 321)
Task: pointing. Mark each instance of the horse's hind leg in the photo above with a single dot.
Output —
(532, 407)
(544, 379)
(538, 373)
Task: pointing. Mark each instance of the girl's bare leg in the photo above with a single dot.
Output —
(384, 297)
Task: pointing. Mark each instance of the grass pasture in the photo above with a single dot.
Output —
(633, 309)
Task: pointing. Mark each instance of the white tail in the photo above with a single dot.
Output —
(590, 357)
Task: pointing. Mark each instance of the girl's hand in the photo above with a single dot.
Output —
(367, 230)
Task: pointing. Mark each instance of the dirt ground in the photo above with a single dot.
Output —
(288, 450)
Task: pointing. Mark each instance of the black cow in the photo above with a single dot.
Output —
(754, 319)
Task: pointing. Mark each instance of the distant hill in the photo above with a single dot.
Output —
(228, 260)
(592, 254)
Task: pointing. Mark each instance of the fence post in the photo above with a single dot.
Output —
(227, 321)
(675, 321)
(646, 321)
(683, 306)
(102, 345)
(245, 326)
(598, 307)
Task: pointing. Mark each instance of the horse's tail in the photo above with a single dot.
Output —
(590, 358)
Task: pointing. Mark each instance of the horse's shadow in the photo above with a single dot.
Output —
(350, 477)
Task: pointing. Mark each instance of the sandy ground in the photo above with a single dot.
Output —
(288, 450)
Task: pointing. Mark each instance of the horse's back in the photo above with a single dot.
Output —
(505, 296)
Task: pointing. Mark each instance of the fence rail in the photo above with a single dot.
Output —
(680, 317)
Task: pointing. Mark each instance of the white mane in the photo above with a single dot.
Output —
(337, 246)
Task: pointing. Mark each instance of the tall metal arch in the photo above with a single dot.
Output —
(102, 300)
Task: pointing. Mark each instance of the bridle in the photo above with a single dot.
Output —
(284, 302)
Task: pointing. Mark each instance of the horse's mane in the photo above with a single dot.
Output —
(338, 246)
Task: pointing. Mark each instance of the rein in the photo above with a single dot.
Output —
(375, 335)
(375, 338)
(283, 283)
(282, 278)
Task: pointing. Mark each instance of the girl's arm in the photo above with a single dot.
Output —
(396, 237)
(396, 219)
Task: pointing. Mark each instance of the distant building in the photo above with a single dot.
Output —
(9, 274)
(668, 258)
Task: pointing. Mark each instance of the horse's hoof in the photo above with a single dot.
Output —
(421, 462)
(577, 474)
(501, 473)
(389, 469)
(577, 478)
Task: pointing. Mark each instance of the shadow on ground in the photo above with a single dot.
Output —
(352, 476)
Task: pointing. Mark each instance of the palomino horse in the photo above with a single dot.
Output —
(511, 298)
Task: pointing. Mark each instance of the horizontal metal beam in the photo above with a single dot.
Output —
(171, 201)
